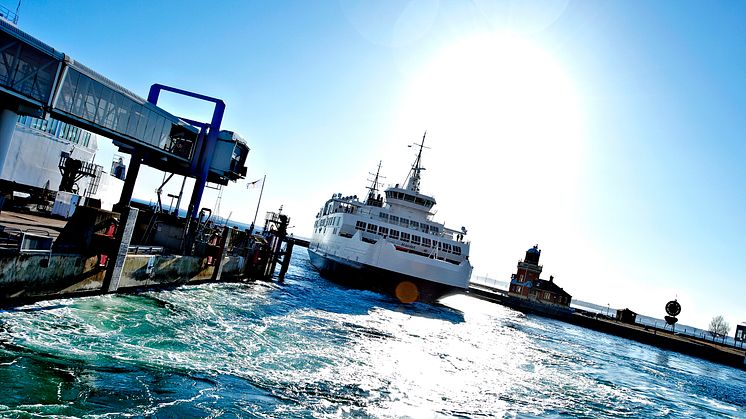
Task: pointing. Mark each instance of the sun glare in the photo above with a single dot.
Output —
(498, 87)
(504, 112)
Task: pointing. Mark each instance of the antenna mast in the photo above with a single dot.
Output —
(373, 189)
(414, 174)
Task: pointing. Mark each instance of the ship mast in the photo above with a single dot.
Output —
(413, 178)
(374, 199)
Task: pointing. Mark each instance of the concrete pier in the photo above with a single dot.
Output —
(80, 259)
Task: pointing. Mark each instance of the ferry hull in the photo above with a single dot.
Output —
(362, 276)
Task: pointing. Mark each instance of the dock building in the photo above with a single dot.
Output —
(40, 147)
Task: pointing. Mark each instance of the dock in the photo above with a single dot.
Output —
(56, 242)
(45, 258)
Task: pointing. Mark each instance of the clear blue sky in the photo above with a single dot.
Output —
(611, 133)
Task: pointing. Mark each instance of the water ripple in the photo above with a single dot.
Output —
(309, 348)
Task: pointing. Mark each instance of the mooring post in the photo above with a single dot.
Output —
(273, 254)
(123, 239)
(286, 260)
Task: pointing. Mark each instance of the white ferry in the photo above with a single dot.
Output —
(392, 245)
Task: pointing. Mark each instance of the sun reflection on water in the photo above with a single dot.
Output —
(312, 349)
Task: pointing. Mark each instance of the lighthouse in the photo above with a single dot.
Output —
(525, 284)
(529, 268)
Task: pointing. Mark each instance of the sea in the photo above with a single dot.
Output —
(309, 348)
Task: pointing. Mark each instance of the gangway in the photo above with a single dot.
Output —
(37, 80)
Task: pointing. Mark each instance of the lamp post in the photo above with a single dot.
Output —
(253, 223)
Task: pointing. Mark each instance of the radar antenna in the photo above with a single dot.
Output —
(413, 177)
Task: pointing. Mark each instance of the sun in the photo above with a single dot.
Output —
(505, 122)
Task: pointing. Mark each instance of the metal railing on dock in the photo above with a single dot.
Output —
(145, 250)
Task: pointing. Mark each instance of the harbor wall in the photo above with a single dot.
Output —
(661, 338)
(159, 270)
(664, 339)
(30, 277)
(92, 254)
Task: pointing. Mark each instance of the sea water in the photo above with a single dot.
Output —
(310, 348)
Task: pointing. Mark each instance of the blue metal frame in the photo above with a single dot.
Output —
(202, 158)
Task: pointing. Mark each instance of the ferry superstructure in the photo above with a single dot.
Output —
(391, 245)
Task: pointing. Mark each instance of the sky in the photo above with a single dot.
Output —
(610, 133)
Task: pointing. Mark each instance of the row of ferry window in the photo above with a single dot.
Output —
(425, 228)
(393, 219)
(409, 198)
(407, 237)
(334, 221)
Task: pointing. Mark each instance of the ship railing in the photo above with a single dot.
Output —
(344, 210)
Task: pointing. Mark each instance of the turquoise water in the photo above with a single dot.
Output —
(309, 348)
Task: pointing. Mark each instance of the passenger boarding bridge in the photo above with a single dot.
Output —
(37, 80)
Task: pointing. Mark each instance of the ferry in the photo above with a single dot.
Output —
(391, 245)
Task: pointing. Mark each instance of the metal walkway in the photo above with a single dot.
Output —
(36, 79)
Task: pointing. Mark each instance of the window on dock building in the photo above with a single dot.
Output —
(57, 129)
